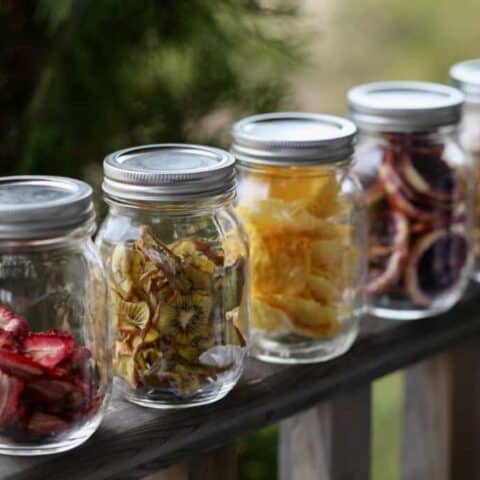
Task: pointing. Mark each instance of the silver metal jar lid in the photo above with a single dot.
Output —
(466, 77)
(168, 173)
(292, 138)
(404, 106)
(38, 207)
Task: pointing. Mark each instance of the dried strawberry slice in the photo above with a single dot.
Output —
(11, 323)
(10, 390)
(49, 348)
(19, 366)
(9, 341)
(50, 390)
(44, 424)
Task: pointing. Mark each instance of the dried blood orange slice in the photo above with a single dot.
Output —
(389, 234)
(435, 265)
(428, 174)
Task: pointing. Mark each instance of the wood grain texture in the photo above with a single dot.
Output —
(134, 442)
(442, 417)
(328, 442)
(426, 439)
(219, 464)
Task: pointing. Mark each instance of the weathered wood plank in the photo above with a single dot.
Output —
(219, 464)
(135, 442)
(426, 440)
(329, 442)
(442, 418)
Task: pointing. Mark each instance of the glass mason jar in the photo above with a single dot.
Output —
(176, 257)
(418, 185)
(55, 365)
(305, 219)
(466, 77)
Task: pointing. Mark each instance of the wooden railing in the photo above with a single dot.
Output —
(324, 411)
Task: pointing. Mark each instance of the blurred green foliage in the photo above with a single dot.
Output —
(80, 78)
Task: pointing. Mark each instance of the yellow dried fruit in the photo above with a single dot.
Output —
(300, 256)
(269, 318)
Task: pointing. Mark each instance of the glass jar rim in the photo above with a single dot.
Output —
(293, 139)
(404, 106)
(169, 172)
(40, 207)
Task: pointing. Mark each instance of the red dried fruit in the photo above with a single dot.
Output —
(428, 174)
(435, 265)
(43, 424)
(49, 348)
(9, 341)
(19, 366)
(401, 197)
(12, 323)
(50, 390)
(10, 390)
(389, 235)
(43, 373)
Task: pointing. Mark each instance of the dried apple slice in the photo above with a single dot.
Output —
(388, 239)
(435, 265)
(121, 275)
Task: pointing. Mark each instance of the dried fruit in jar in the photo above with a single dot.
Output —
(417, 242)
(302, 256)
(45, 382)
(165, 299)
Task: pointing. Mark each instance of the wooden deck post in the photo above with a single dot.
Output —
(218, 464)
(328, 442)
(442, 417)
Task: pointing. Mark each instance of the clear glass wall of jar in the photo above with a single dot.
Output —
(176, 256)
(418, 185)
(306, 223)
(466, 77)
(55, 362)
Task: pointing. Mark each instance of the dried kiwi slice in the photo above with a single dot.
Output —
(131, 314)
(186, 317)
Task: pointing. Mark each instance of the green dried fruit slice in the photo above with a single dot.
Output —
(131, 314)
(195, 253)
(151, 336)
(186, 317)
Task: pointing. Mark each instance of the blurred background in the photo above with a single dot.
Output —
(81, 78)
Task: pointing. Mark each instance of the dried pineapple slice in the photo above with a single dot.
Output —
(322, 289)
(276, 217)
(269, 318)
(279, 264)
(307, 313)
